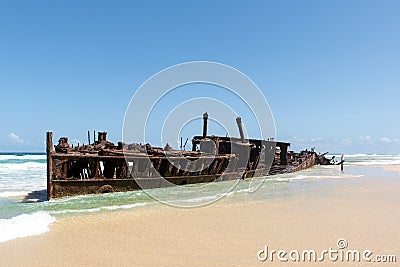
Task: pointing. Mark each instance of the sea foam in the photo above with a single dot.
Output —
(24, 157)
(14, 193)
(26, 166)
(25, 225)
(103, 208)
(371, 160)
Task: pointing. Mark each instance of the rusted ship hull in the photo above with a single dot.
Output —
(102, 167)
(61, 188)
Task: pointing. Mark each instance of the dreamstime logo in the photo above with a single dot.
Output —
(342, 243)
(341, 254)
(152, 172)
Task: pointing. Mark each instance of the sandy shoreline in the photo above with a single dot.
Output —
(227, 233)
(394, 168)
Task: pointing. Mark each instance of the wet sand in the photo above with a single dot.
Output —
(394, 168)
(228, 233)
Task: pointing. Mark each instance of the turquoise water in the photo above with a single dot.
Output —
(24, 212)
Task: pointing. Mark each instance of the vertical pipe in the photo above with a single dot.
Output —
(94, 137)
(341, 163)
(102, 136)
(283, 155)
(194, 146)
(239, 123)
(88, 137)
(205, 118)
(49, 150)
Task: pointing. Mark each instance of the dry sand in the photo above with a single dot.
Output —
(227, 233)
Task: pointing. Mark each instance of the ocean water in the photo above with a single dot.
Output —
(24, 211)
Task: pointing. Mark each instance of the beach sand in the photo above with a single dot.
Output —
(228, 233)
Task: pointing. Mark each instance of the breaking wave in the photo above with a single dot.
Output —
(14, 193)
(371, 159)
(21, 157)
(25, 166)
(25, 225)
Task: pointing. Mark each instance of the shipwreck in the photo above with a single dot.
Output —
(102, 166)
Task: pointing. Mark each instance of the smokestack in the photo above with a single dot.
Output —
(102, 136)
(239, 123)
(205, 118)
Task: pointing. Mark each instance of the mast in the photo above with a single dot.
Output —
(239, 123)
(49, 150)
(205, 118)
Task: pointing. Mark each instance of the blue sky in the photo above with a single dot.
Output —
(329, 69)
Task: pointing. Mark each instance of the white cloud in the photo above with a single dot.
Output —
(316, 139)
(366, 140)
(388, 140)
(296, 139)
(15, 138)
